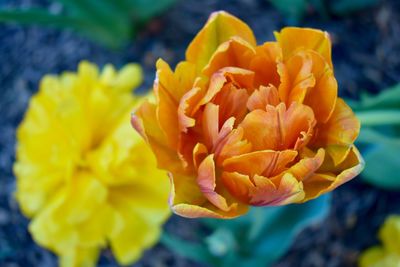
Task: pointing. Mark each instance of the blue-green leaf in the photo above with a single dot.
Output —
(382, 165)
(258, 238)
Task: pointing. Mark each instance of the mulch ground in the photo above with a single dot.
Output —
(366, 55)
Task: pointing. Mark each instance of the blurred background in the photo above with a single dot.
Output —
(38, 37)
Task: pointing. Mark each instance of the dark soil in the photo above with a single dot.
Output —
(366, 55)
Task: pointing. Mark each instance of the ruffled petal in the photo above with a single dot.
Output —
(284, 190)
(292, 39)
(262, 97)
(235, 52)
(219, 28)
(144, 120)
(264, 64)
(277, 128)
(296, 78)
(307, 165)
(339, 133)
(322, 97)
(187, 200)
(328, 176)
(206, 179)
(265, 162)
(262, 191)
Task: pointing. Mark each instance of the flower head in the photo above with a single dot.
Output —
(387, 255)
(239, 124)
(81, 176)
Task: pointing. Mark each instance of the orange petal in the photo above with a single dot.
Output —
(202, 93)
(232, 103)
(186, 107)
(262, 97)
(277, 128)
(266, 162)
(210, 124)
(200, 152)
(207, 182)
(307, 166)
(266, 193)
(235, 52)
(322, 97)
(263, 192)
(167, 114)
(145, 122)
(239, 185)
(232, 145)
(330, 177)
(219, 28)
(296, 78)
(292, 39)
(176, 83)
(342, 128)
(241, 78)
(193, 211)
(264, 64)
(187, 200)
(338, 133)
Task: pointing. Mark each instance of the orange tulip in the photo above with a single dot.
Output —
(239, 124)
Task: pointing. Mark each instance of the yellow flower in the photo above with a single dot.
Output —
(387, 255)
(83, 175)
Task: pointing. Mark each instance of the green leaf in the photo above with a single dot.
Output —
(282, 226)
(293, 10)
(344, 7)
(43, 17)
(186, 249)
(112, 22)
(382, 166)
(387, 99)
(379, 137)
(221, 242)
(39, 16)
(143, 11)
(376, 117)
(264, 234)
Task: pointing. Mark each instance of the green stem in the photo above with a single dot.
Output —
(378, 117)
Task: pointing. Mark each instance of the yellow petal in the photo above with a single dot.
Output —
(129, 77)
(79, 257)
(373, 257)
(390, 234)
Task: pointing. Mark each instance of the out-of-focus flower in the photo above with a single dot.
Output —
(82, 174)
(387, 255)
(240, 124)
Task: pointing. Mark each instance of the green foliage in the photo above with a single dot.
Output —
(257, 239)
(296, 10)
(111, 22)
(380, 137)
